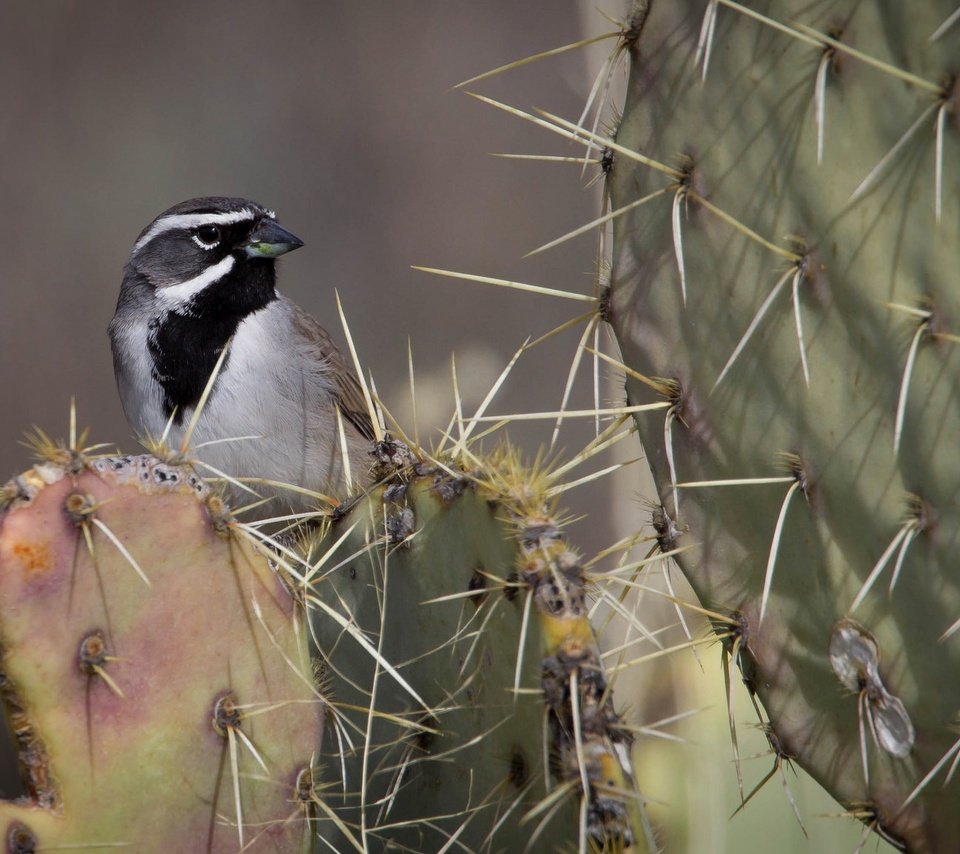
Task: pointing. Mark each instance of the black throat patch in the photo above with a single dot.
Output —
(186, 343)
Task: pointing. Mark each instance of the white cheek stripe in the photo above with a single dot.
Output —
(177, 296)
(184, 221)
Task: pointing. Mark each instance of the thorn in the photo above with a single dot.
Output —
(820, 99)
(790, 256)
(344, 453)
(725, 660)
(578, 413)
(705, 42)
(878, 567)
(571, 375)
(938, 162)
(905, 383)
(122, 549)
(602, 220)
(772, 23)
(518, 63)
(504, 283)
(358, 370)
(949, 22)
(824, 40)
(678, 199)
(775, 545)
(867, 183)
(671, 464)
(202, 403)
(764, 307)
(546, 158)
(799, 323)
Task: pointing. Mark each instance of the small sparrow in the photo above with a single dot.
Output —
(200, 276)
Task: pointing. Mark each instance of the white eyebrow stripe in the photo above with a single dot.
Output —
(175, 221)
(177, 296)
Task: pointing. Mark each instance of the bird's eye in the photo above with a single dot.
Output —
(206, 236)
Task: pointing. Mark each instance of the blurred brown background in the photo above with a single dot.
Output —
(338, 115)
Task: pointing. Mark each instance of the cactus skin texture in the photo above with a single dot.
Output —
(453, 579)
(857, 680)
(131, 703)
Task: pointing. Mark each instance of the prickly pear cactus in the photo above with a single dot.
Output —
(790, 287)
(162, 695)
(152, 675)
(480, 711)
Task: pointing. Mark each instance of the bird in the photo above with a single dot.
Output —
(201, 278)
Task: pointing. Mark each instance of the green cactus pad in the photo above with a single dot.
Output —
(807, 313)
(495, 718)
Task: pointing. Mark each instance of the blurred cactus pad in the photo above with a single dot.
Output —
(785, 274)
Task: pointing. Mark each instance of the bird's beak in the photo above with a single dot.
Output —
(268, 240)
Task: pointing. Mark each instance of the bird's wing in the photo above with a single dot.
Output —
(346, 386)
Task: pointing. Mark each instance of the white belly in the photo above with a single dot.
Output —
(269, 417)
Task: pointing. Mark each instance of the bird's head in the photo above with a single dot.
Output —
(211, 247)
